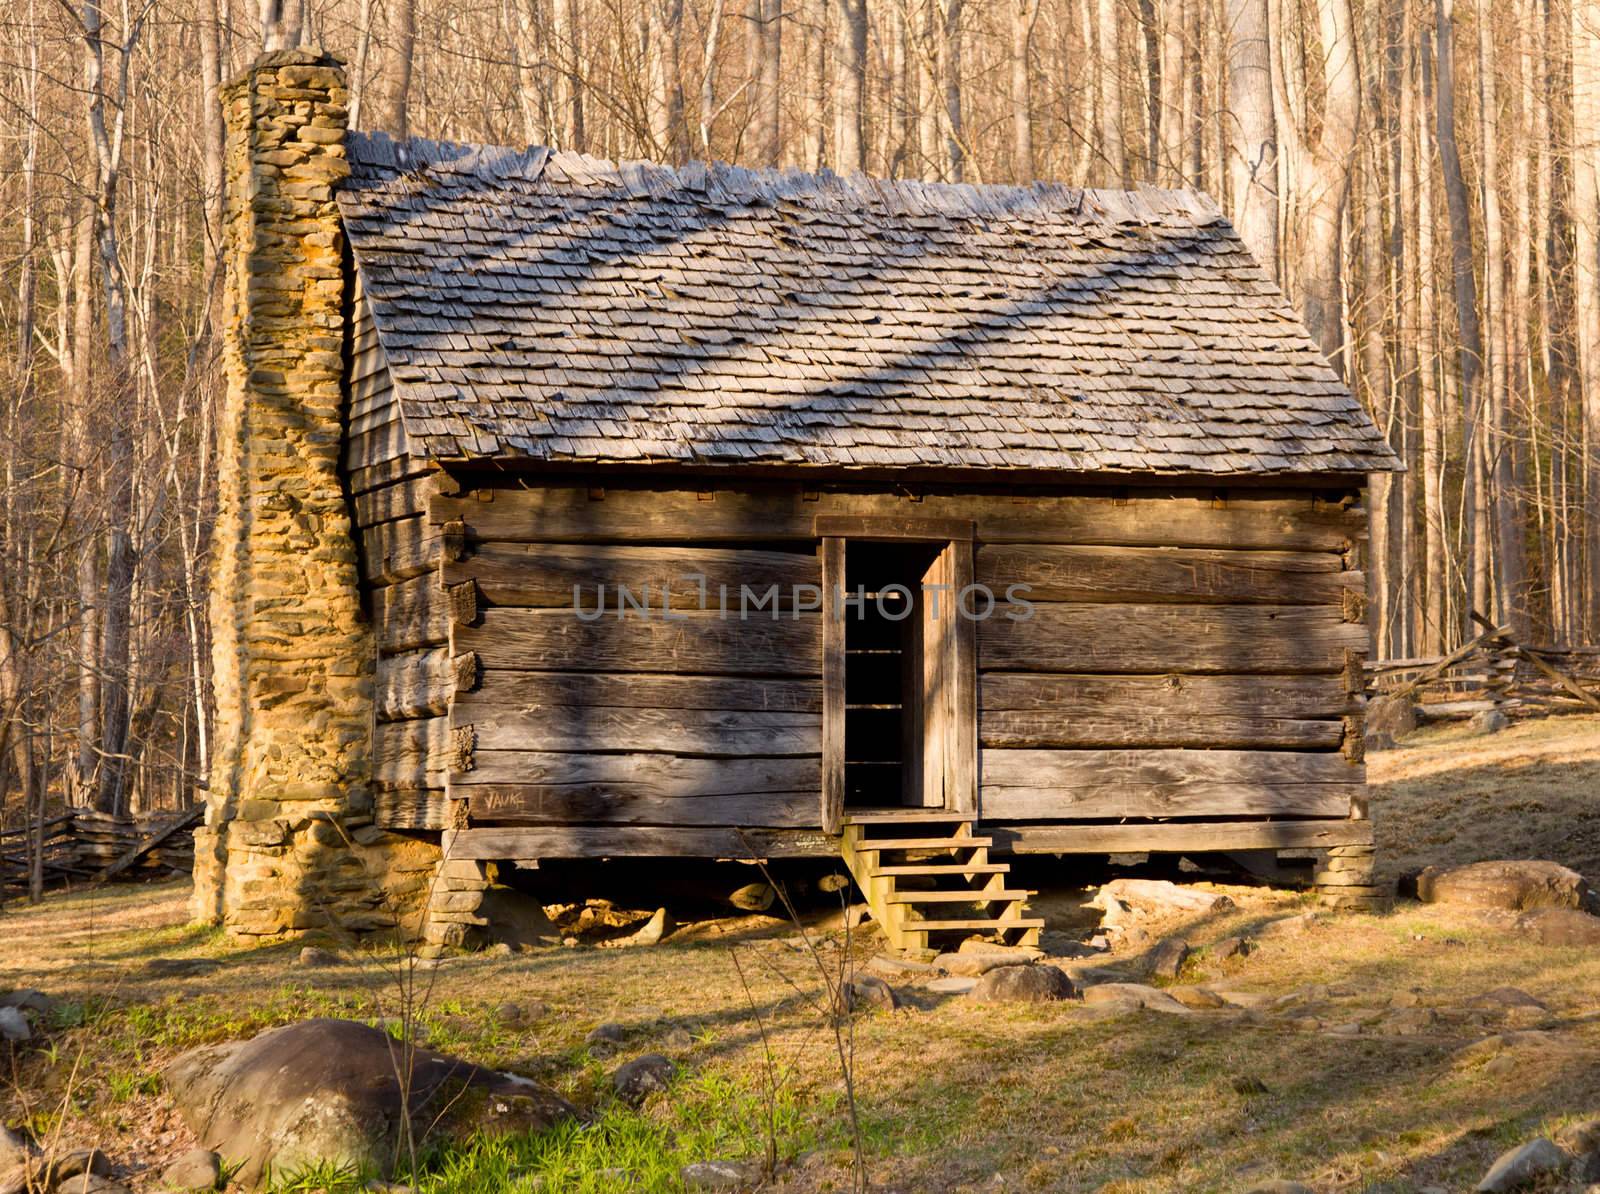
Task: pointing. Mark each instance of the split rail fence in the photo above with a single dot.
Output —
(85, 846)
(1493, 672)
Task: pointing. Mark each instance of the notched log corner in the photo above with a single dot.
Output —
(463, 741)
(467, 671)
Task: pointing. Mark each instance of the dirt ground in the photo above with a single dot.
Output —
(1359, 1053)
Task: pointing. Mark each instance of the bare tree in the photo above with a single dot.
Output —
(1024, 15)
(850, 81)
(1253, 149)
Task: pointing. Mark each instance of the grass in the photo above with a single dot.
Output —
(1054, 1097)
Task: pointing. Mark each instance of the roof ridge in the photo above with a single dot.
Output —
(725, 181)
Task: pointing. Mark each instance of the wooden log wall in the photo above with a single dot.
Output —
(400, 556)
(1190, 653)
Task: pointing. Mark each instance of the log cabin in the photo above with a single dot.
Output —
(583, 510)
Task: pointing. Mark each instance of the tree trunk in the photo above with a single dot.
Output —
(850, 81)
(1024, 14)
(1586, 286)
(1253, 154)
(1469, 356)
(950, 73)
(928, 98)
(763, 64)
(1108, 78)
(394, 112)
(1436, 637)
(568, 29)
(663, 52)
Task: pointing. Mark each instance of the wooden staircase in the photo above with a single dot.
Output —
(926, 876)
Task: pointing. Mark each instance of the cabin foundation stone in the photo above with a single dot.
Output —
(288, 843)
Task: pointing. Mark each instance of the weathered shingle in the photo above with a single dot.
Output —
(558, 307)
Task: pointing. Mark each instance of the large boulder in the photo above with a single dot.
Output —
(1023, 984)
(1560, 927)
(327, 1090)
(1388, 719)
(1522, 1166)
(1513, 885)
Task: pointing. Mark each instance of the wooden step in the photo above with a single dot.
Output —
(956, 897)
(942, 868)
(922, 843)
(893, 815)
(1001, 922)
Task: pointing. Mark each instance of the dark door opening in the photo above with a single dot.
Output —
(893, 674)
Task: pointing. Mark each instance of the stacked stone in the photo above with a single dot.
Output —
(452, 920)
(1344, 879)
(288, 843)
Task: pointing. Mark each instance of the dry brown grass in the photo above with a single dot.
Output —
(1364, 1092)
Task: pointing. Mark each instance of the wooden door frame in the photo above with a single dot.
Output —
(961, 762)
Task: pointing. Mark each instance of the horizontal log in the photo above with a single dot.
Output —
(1074, 637)
(513, 804)
(411, 754)
(756, 513)
(1020, 709)
(627, 841)
(1290, 697)
(1101, 784)
(399, 550)
(697, 643)
(1011, 728)
(415, 684)
(570, 575)
(1057, 573)
(659, 776)
(410, 808)
(499, 690)
(541, 727)
(365, 479)
(412, 613)
(405, 498)
(1178, 837)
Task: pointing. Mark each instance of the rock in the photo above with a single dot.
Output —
(1388, 720)
(678, 1037)
(180, 967)
(637, 1080)
(1124, 898)
(15, 1149)
(1249, 1085)
(1228, 947)
(90, 1183)
(14, 1026)
(1134, 995)
(500, 949)
(197, 1169)
(1513, 885)
(1018, 954)
(1167, 958)
(519, 1015)
(313, 955)
(324, 1090)
(885, 966)
(835, 882)
(80, 1162)
(869, 993)
(29, 1000)
(720, 1175)
(1023, 984)
(1560, 927)
(606, 1034)
(1198, 998)
(954, 985)
(1521, 1166)
(652, 931)
(974, 965)
(1507, 997)
(1280, 1186)
(1489, 721)
(754, 897)
(1288, 926)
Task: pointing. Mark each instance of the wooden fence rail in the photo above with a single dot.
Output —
(83, 845)
(1492, 672)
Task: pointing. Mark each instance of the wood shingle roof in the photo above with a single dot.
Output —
(555, 307)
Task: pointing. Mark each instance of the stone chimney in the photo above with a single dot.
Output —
(288, 843)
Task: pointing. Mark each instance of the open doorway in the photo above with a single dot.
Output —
(899, 667)
(890, 638)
